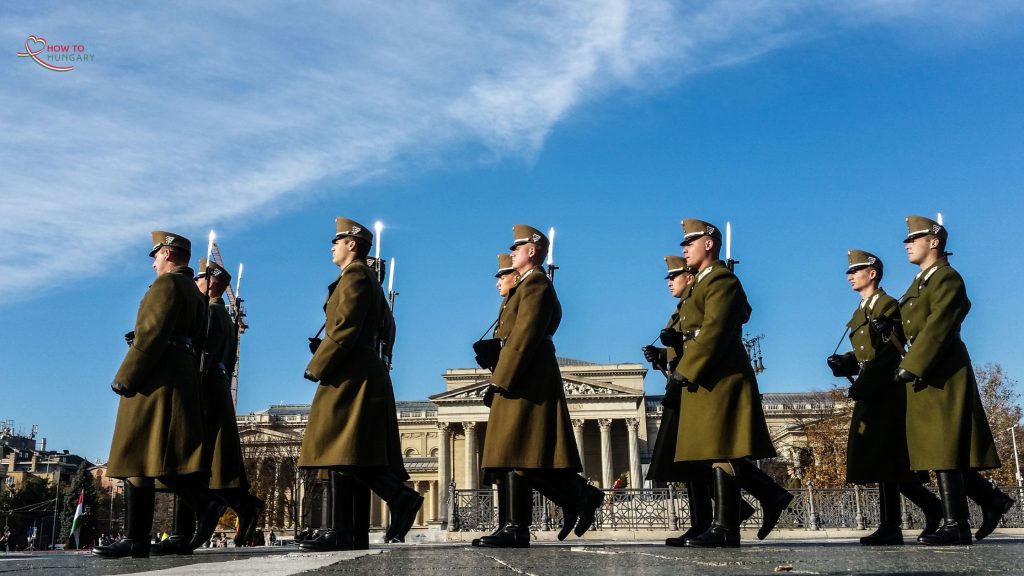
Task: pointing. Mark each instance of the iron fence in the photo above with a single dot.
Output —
(667, 509)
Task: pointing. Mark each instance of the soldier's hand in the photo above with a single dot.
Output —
(835, 362)
(121, 390)
(904, 377)
(653, 355)
(673, 394)
(489, 394)
(310, 377)
(883, 325)
(314, 343)
(671, 338)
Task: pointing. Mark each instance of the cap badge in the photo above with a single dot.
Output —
(169, 239)
(710, 230)
(872, 260)
(936, 228)
(355, 230)
(535, 238)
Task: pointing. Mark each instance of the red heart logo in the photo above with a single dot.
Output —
(37, 46)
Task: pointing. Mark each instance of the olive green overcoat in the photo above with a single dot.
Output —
(224, 448)
(877, 444)
(529, 425)
(664, 467)
(723, 418)
(352, 422)
(159, 430)
(946, 424)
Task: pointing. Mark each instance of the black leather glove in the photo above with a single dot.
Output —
(842, 365)
(314, 343)
(129, 338)
(120, 390)
(653, 355)
(683, 383)
(310, 377)
(671, 338)
(907, 377)
(853, 393)
(673, 394)
(883, 325)
(489, 394)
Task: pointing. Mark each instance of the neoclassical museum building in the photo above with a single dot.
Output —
(614, 421)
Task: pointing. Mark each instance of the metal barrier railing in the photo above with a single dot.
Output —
(667, 509)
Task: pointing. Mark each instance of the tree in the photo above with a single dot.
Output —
(83, 484)
(1002, 405)
(827, 437)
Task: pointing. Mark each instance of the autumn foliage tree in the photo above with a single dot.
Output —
(1002, 405)
(826, 442)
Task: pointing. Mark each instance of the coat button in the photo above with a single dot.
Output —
(861, 347)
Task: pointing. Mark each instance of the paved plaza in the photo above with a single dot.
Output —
(1000, 554)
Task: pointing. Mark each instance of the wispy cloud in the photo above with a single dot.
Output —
(186, 104)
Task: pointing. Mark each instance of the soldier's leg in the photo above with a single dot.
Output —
(360, 515)
(774, 499)
(403, 501)
(928, 502)
(994, 503)
(180, 540)
(888, 532)
(725, 529)
(208, 506)
(515, 533)
(139, 495)
(501, 487)
(339, 534)
(575, 494)
(698, 498)
(558, 493)
(956, 528)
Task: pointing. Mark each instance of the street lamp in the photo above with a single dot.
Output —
(1016, 459)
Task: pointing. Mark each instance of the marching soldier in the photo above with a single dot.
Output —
(721, 421)
(877, 447)
(529, 430)
(507, 482)
(352, 423)
(158, 433)
(663, 466)
(947, 430)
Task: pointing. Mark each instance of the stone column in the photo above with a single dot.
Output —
(444, 438)
(471, 463)
(635, 471)
(431, 500)
(578, 433)
(421, 488)
(606, 452)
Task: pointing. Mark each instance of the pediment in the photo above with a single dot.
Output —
(574, 386)
(254, 434)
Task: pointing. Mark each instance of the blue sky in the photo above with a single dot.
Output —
(812, 128)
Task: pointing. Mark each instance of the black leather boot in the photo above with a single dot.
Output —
(339, 536)
(698, 496)
(138, 521)
(774, 499)
(725, 530)
(888, 532)
(928, 502)
(552, 488)
(403, 501)
(992, 501)
(501, 487)
(179, 543)
(360, 516)
(515, 533)
(955, 529)
(192, 489)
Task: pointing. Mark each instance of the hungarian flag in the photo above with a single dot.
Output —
(78, 515)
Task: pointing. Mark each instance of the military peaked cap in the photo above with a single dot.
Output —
(346, 227)
(676, 266)
(504, 265)
(214, 269)
(523, 234)
(161, 239)
(694, 229)
(918, 226)
(858, 259)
